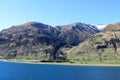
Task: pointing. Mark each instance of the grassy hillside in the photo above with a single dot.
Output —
(86, 51)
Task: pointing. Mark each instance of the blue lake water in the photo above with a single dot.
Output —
(22, 71)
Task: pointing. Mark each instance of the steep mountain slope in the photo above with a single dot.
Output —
(76, 32)
(101, 46)
(34, 40)
(29, 40)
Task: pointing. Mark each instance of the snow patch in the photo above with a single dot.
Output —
(101, 26)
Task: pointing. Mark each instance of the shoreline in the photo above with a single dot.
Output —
(64, 64)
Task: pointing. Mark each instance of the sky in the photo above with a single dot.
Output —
(58, 12)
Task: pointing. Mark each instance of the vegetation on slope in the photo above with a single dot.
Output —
(87, 51)
(34, 40)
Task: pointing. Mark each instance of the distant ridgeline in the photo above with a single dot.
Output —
(37, 41)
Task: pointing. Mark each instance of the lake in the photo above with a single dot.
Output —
(22, 71)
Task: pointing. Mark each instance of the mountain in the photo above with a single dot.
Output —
(29, 40)
(103, 46)
(34, 40)
(76, 32)
(31, 29)
(113, 27)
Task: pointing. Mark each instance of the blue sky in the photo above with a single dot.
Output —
(58, 12)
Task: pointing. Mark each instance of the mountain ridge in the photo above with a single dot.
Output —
(40, 41)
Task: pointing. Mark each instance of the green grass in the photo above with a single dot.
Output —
(93, 57)
(92, 62)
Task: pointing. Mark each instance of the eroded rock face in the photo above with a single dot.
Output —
(35, 40)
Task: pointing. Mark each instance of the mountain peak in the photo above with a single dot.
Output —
(29, 26)
(32, 24)
(76, 23)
